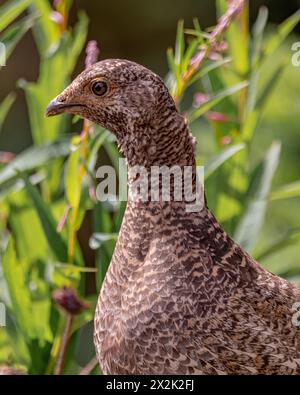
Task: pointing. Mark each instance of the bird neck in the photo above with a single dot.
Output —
(163, 141)
(161, 161)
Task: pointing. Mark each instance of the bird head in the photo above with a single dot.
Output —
(120, 95)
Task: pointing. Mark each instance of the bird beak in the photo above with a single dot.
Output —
(57, 107)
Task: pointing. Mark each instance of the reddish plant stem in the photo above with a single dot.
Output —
(85, 371)
(64, 344)
(235, 7)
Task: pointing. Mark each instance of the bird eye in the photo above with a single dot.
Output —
(99, 88)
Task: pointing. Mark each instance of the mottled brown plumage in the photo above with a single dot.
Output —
(180, 297)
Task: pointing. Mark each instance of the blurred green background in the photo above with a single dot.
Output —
(131, 29)
(252, 184)
(141, 31)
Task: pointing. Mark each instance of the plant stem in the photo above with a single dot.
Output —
(72, 236)
(81, 173)
(224, 22)
(85, 371)
(64, 344)
(91, 57)
(55, 345)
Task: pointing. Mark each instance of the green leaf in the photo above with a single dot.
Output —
(288, 239)
(258, 31)
(30, 241)
(198, 112)
(255, 57)
(72, 180)
(102, 223)
(199, 34)
(174, 68)
(237, 36)
(13, 34)
(208, 68)
(215, 162)
(11, 10)
(68, 266)
(5, 107)
(269, 86)
(113, 153)
(15, 277)
(283, 30)
(251, 222)
(256, 106)
(189, 54)
(99, 139)
(227, 208)
(55, 241)
(46, 31)
(119, 216)
(59, 54)
(179, 46)
(18, 349)
(86, 315)
(77, 43)
(33, 158)
(287, 191)
(197, 26)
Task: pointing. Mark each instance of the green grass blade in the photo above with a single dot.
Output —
(78, 41)
(287, 191)
(258, 31)
(207, 69)
(14, 33)
(270, 85)
(283, 30)
(72, 181)
(255, 106)
(102, 223)
(290, 238)
(11, 10)
(251, 222)
(56, 243)
(46, 31)
(113, 153)
(189, 54)
(5, 107)
(175, 70)
(33, 158)
(214, 163)
(60, 62)
(238, 37)
(198, 112)
(179, 46)
(15, 277)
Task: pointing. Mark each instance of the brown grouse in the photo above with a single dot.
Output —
(180, 296)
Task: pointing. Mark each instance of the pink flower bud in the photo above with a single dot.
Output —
(63, 219)
(217, 116)
(57, 17)
(67, 300)
(197, 59)
(225, 140)
(92, 53)
(10, 371)
(6, 157)
(200, 98)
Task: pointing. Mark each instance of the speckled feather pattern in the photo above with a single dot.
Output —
(180, 296)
